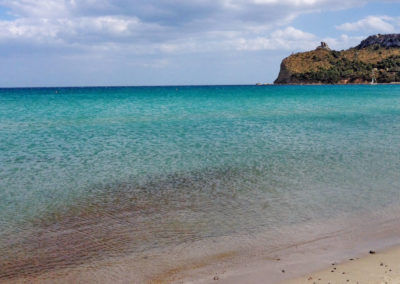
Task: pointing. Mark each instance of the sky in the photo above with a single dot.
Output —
(174, 42)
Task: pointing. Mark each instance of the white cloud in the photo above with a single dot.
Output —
(288, 39)
(158, 24)
(370, 24)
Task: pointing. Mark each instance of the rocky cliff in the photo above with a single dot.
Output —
(377, 58)
(387, 41)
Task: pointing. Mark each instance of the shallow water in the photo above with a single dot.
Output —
(90, 173)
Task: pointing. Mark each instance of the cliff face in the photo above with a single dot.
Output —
(375, 58)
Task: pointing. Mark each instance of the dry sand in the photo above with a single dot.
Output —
(379, 267)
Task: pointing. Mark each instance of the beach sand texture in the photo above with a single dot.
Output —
(378, 267)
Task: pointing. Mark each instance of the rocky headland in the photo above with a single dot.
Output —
(376, 59)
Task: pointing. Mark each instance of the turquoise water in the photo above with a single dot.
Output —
(146, 167)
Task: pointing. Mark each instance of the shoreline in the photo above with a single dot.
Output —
(314, 258)
(375, 267)
(380, 266)
(231, 259)
(223, 182)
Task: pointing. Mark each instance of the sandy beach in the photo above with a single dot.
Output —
(231, 260)
(361, 255)
(380, 267)
(377, 267)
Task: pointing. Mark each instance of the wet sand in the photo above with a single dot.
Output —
(301, 262)
(235, 259)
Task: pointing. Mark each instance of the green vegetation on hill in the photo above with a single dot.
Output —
(354, 65)
(385, 71)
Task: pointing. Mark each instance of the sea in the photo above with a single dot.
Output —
(91, 174)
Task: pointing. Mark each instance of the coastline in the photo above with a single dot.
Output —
(309, 261)
(231, 259)
(291, 179)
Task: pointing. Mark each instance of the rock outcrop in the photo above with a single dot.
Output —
(386, 41)
(376, 58)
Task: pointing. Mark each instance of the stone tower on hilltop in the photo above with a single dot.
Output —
(323, 45)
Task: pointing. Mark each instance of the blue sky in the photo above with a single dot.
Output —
(173, 42)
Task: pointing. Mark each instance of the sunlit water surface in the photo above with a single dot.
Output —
(90, 173)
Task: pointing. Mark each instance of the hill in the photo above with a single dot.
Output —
(375, 58)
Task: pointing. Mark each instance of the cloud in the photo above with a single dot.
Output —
(289, 38)
(383, 24)
(101, 41)
(156, 25)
